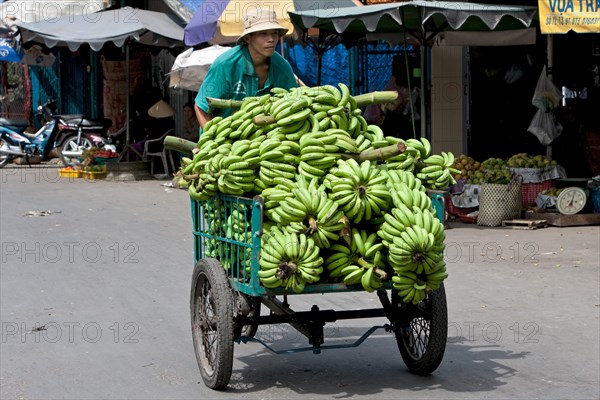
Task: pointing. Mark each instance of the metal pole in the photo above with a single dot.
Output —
(423, 93)
(549, 73)
(127, 94)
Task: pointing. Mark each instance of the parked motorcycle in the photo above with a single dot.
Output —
(70, 135)
(78, 133)
(14, 144)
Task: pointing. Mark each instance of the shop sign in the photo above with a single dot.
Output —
(561, 16)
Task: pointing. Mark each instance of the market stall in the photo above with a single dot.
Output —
(423, 22)
(121, 27)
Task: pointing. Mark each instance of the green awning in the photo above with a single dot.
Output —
(421, 19)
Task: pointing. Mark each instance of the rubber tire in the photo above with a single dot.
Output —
(211, 286)
(435, 316)
(67, 143)
(4, 158)
(250, 330)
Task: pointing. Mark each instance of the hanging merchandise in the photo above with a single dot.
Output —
(546, 98)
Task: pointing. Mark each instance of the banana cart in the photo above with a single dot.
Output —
(226, 298)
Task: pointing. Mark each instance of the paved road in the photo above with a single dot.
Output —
(107, 276)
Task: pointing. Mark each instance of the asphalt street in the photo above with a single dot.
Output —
(94, 300)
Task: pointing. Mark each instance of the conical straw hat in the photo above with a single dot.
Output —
(161, 109)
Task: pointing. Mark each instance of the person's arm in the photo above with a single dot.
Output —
(203, 116)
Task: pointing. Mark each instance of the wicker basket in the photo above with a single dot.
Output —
(499, 202)
(530, 191)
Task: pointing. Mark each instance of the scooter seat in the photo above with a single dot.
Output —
(76, 120)
(17, 122)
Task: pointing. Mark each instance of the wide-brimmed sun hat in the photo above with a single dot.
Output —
(261, 19)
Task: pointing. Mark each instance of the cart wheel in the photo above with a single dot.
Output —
(211, 306)
(250, 330)
(422, 334)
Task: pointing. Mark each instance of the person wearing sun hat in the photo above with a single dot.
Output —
(252, 68)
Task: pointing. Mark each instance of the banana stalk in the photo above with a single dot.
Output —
(223, 103)
(179, 144)
(366, 99)
(264, 120)
(380, 154)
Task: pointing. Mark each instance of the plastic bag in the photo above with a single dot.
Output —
(544, 127)
(546, 96)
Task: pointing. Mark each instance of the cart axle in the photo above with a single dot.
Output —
(316, 348)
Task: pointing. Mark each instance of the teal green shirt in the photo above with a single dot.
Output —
(232, 76)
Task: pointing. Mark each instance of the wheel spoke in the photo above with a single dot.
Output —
(415, 335)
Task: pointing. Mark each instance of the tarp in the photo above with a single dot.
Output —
(421, 19)
(220, 21)
(96, 29)
(581, 16)
(8, 52)
(191, 66)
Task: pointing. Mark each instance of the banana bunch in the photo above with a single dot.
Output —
(438, 171)
(402, 195)
(400, 218)
(273, 196)
(238, 226)
(237, 126)
(405, 161)
(360, 263)
(412, 251)
(413, 287)
(318, 153)
(309, 211)
(419, 148)
(410, 288)
(277, 160)
(371, 138)
(289, 261)
(396, 177)
(228, 168)
(359, 189)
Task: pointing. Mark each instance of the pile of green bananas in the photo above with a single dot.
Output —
(302, 152)
(288, 260)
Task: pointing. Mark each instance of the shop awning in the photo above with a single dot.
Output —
(96, 29)
(580, 16)
(15, 11)
(423, 20)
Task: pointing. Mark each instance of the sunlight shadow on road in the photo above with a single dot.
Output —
(373, 368)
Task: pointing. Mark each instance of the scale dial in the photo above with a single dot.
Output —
(571, 200)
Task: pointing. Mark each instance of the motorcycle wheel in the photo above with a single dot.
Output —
(70, 146)
(4, 158)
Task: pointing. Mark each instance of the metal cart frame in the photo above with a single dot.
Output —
(226, 297)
